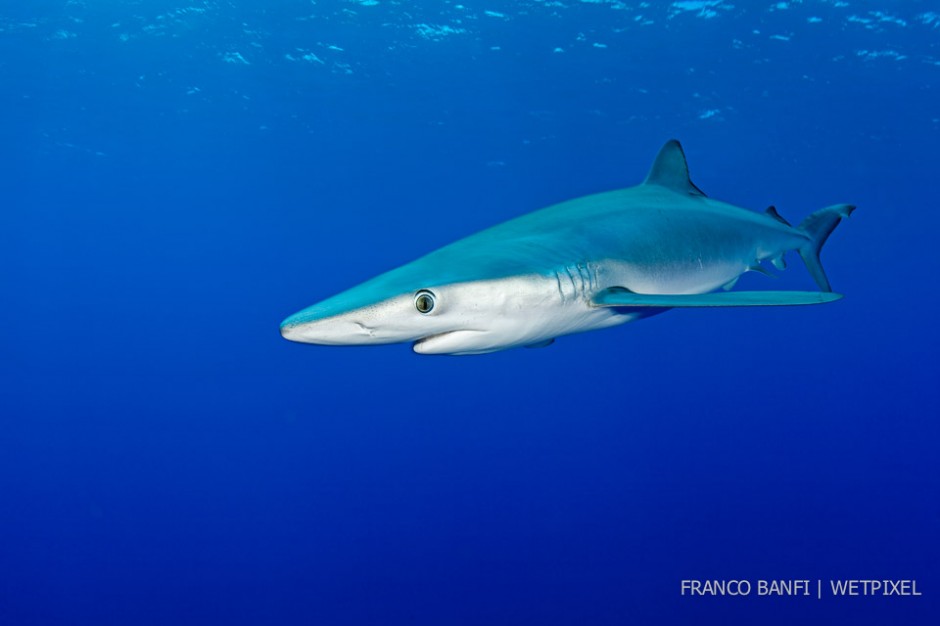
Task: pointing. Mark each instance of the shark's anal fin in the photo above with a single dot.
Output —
(620, 297)
(757, 267)
(670, 170)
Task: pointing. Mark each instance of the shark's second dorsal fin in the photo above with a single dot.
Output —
(772, 212)
(670, 170)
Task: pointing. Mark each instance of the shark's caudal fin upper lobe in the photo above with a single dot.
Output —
(819, 226)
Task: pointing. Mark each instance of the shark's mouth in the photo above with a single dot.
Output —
(466, 341)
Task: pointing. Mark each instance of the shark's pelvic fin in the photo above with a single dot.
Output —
(670, 170)
(819, 226)
(620, 297)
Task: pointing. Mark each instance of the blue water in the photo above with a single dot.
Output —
(179, 177)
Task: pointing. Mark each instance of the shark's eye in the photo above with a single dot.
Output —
(424, 301)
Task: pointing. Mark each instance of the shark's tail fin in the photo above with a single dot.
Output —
(818, 226)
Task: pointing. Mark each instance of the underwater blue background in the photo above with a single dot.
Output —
(177, 177)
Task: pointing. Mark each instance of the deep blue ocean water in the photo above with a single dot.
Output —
(177, 177)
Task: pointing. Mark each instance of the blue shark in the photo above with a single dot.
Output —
(589, 263)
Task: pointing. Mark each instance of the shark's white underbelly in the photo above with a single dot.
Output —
(697, 277)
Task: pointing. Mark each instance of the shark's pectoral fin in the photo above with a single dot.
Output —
(620, 297)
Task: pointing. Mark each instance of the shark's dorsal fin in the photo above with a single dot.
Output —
(670, 170)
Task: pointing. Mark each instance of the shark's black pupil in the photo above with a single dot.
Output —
(424, 302)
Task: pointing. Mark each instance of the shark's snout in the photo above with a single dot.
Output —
(330, 331)
(332, 323)
(291, 332)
